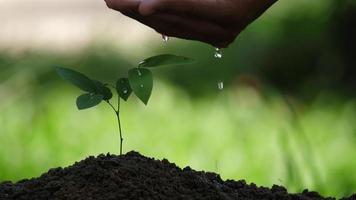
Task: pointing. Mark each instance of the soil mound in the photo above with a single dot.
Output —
(135, 177)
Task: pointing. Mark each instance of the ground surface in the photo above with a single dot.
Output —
(133, 176)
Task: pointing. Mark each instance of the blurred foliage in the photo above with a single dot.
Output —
(286, 116)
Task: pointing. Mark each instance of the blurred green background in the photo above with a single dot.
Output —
(286, 115)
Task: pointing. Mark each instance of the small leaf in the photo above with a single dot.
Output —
(103, 90)
(141, 81)
(123, 88)
(88, 100)
(77, 79)
(165, 59)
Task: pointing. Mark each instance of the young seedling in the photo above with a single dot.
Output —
(139, 81)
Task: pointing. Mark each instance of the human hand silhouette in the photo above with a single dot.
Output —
(217, 22)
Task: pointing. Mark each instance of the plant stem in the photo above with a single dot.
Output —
(117, 112)
(119, 122)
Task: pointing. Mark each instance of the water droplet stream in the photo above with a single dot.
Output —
(218, 53)
(220, 85)
(139, 72)
(165, 38)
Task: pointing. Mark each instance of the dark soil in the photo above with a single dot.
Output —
(132, 176)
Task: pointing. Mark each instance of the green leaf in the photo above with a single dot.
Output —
(103, 90)
(77, 79)
(123, 88)
(141, 81)
(165, 59)
(88, 100)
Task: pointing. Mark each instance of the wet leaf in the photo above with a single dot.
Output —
(88, 100)
(123, 88)
(141, 82)
(165, 59)
(76, 78)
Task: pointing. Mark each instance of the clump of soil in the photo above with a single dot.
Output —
(135, 177)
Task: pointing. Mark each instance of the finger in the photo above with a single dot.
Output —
(193, 29)
(122, 5)
(203, 8)
(161, 27)
(186, 28)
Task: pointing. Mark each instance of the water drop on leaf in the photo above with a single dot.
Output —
(123, 88)
(141, 84)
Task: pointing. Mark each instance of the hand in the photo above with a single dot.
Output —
(217, 22)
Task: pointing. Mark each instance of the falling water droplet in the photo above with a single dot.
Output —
(139, 72)
(125, 91)
(220, 85)
(165, 38)
(141, 85)
(218, 53)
